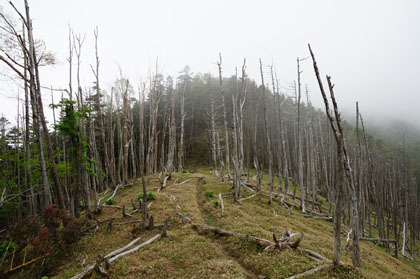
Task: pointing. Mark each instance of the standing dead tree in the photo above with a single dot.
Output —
(238, 101)
(343, 165)
(267, 134)
(213, 128)
(222, 93)
(299, 138)
(32, 67)
(181, 133)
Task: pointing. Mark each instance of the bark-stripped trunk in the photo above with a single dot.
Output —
(299, 140)
(35, 88)
(222, 93)
(343, 166)
(267, 135)
(181, 133)
(213, 129)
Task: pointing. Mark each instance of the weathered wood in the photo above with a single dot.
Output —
(222, 205)
(309, 272)
(113, 256)
(377, 239)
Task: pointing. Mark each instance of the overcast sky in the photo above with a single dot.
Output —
(371, 48)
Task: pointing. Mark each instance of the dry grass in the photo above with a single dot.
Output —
(188, 253)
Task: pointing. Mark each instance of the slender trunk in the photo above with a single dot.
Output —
(222, 93)
(35, 87)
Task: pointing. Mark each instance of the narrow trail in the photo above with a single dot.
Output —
(246, 270)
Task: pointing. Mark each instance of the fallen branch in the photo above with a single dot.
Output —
(111, 206)
(164, 182)
(310, 272)
(280, 244)
(377, 239)
(184, 181)
(313, 254)
(179, 183)
(247, 198)
(111, 260)
(111, 257)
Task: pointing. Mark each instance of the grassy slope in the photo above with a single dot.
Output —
(188, 253)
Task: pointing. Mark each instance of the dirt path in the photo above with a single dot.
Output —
(249, 273)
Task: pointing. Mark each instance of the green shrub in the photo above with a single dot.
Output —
(110, 201)
(150, 196)
(184, 171)
(216, 204)
(3, 248)
(209, 195)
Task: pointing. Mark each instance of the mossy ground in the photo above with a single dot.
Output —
(191, 253)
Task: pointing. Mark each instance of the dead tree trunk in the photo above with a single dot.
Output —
(343, 165)
(213, 128)
(222, 93)
(299, 139)
(267, 134)
(35, 86)
(181, 135)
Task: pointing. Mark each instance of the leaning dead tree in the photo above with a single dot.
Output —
(343, 166)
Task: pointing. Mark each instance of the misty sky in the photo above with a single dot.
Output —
(370, 48)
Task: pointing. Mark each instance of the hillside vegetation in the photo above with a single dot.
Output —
(190, 252)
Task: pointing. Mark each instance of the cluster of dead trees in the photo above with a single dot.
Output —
(104, 138)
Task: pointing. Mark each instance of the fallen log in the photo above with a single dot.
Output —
(281, 244)
(313, 254)
(112, 257)
(377, 239)
(247, 198)
(88, 270)
(111, 260)
(309, 272)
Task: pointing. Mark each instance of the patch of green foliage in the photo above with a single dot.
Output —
(150, 196)
(183, 211)
(209, 195)
(3, 247)
(110, 201)
(216, 204)
(69, 127)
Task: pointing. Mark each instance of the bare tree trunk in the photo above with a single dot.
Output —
(343, 162)
(213, 128)
(125, 128)
(172, 134)
(181, 135)
(35, 88)
(222, 93)
(111, 142)
(107, 168)
(141, 130)
(267, 134)
(299, 140)
(238, 101)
